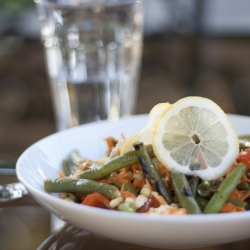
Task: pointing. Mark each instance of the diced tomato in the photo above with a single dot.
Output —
(96, 200)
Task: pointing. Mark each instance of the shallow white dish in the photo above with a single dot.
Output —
(43, 160)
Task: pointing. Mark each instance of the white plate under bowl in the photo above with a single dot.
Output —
(43, 160)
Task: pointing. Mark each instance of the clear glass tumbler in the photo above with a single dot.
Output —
(93, 54)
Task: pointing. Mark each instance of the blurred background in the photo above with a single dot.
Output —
(191, 47)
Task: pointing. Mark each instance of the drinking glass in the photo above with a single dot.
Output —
(93, 55)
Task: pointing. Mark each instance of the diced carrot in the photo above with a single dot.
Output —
(124, 171)
(126, 194)
(138, 183)
(121, 177)
(235, 194)
(111, 142)
(164, 170)
(136, 167)
(61, 174)
(240, 195)
(112, 180)
(80, 169)
(96, 200)
(230, 208)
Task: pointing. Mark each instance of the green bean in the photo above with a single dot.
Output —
(193, 183)
(127, 207)
(151, 172)
(83, 186)
(127, 187)
(184, 194)
(244, 186)
(75, 158)
(239, 203)
(204, 189)
(225, 189)
(99, 172)
(202, 202)
(66, 168)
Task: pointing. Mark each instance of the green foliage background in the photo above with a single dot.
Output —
(14, 8)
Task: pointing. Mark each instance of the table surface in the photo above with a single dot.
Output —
(171, 68)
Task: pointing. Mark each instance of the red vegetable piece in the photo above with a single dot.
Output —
(96, 200)
(244, 156)
(147, 205)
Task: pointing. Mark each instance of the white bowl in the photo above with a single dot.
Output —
(43, 160)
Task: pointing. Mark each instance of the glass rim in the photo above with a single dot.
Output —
(87, 3)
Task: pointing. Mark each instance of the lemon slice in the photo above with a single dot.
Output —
(145, 135)
(195, 137)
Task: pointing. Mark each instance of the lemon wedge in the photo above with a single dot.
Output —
(145, 135)
(195, 137)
